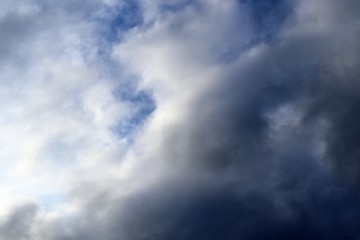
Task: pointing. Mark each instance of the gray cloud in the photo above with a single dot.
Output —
(262, 145)
(17, 225)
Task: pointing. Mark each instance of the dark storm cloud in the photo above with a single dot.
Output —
(237, 181)
(254, 188)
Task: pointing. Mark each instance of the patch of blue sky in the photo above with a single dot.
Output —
(117, 21)
(122, 18)
(113, 23)
(143, 105)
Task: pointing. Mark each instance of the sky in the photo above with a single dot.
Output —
(179, 119)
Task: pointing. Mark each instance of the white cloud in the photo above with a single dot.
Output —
(58, 101)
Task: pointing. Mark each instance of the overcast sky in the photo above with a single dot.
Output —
(179, 119)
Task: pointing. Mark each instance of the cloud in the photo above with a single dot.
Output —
(238, 131)
(18, 223)
(58, 101)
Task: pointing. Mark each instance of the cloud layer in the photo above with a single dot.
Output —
(179, 120)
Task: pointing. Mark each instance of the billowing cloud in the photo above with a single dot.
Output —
(180, 120)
